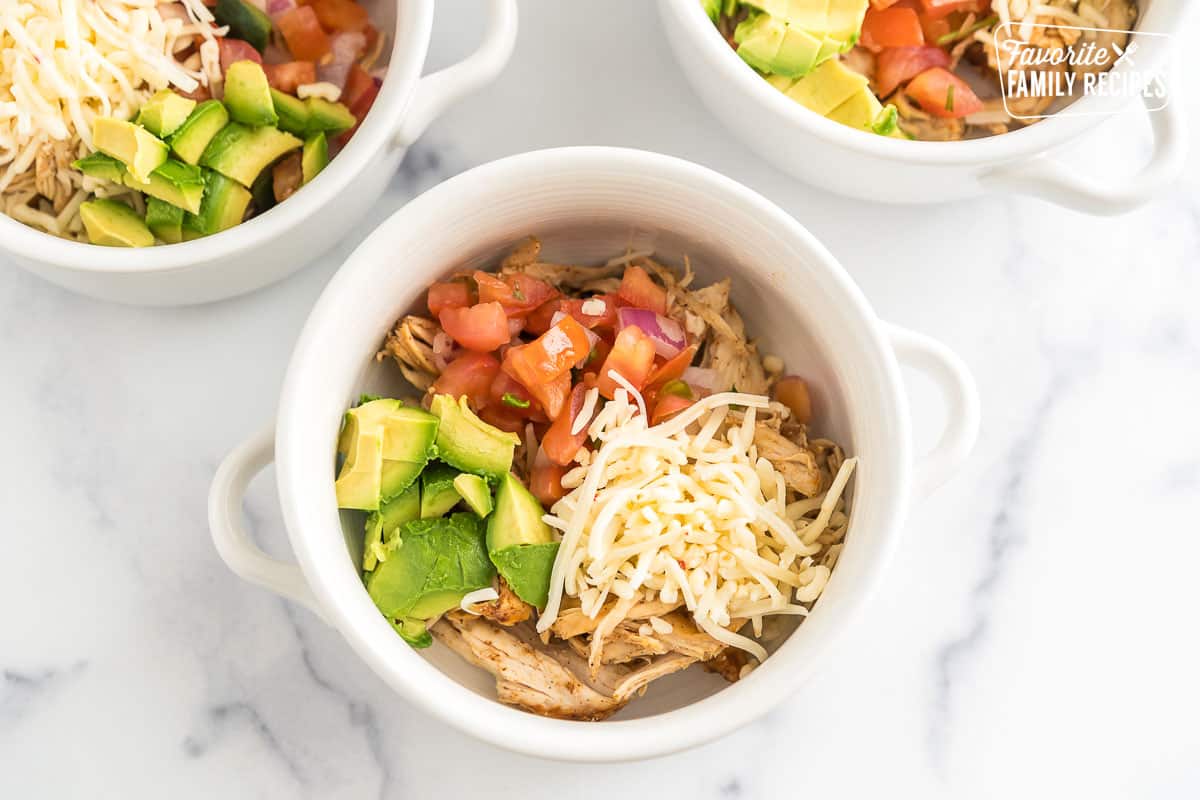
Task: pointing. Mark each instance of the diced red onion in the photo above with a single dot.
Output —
(277, 7)
(443, 350)
(666, 333)
(336, 74)
(702, 380)
(346, 46)
(274, 54)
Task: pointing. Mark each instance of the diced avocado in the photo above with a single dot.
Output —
(263, 191)
(381, 525)
(99, 165)
(407, 436)
(838, 19)
(474, 490)
(174, 182)
(526, 568)
(195, 134)
(438, 494)
(517, 518)
(781, 82)
(358, 482)
(827, 87)
(134, 146)
(315, 156)
(519, 543)
(292, 112)
(164, 112)
(327, 117)
(246, 22)
(241, 152)
(248, 94)
(467, 442)
(845, 18)
(712, 8)
(224, 206)
(164, 220)
(887, 123)
(860, 110)
(114, 224)
(429, 568)
(770, 45)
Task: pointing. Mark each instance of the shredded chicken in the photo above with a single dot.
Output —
(411, 344)
(797, 464)
(729, 664)
(507, 609)
(573, 622)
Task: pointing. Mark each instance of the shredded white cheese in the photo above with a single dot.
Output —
(65, 62)
(471, 599)
(686, 510)
(322, 89)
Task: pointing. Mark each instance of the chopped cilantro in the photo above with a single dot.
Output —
(510, 399)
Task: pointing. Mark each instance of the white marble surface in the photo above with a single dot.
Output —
(1036, 637)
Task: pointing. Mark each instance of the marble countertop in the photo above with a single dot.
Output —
(1036, 635)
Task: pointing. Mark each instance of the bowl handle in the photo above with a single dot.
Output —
(1049, 179)
(234, 545)
(948, 371)
(437, 92)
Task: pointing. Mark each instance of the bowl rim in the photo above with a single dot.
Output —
(1161, 18)
(309, 514)
(411, 38)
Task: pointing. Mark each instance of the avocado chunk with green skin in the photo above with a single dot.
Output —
(519, 543)
(164, 112)
(292, 112)
(164, 220)
(201, 126)
(137, 148)
(245, 21)
(526, 568)
(438, 494)
(474, 490)
(241, 152)
(382, 525)
(431, 566)
(223, 207)
(248, 94)
(467, 442)
(114, 224)
(315, 156)
(102, 167)
(174, 182)
(329, 118)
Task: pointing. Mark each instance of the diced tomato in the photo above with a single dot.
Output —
(632, 357)
(605, 320)
(550, 355)
(639, 290)
(667, 405)
(559, 444)
(289, 76)
(520, 402)
(672, 369)
(471, 374)
(541, 318)
(518, 293)
(943, 94)
(504, 419)
(882, 4)
(545, 483)
(895, 65)
(450, 294)
(302, 31)
(235, 50)
(339, 15)
(793, 393)
(358, 83)
(552, 395)
(892, 27)
(937, 9)
(481, 327)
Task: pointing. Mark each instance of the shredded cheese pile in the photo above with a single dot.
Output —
(65, 62)
(687, 510)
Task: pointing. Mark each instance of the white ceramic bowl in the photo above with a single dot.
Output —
(842, 160)
(289, 236)
(587, 204)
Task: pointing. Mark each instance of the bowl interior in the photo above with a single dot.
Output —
(794, 299)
